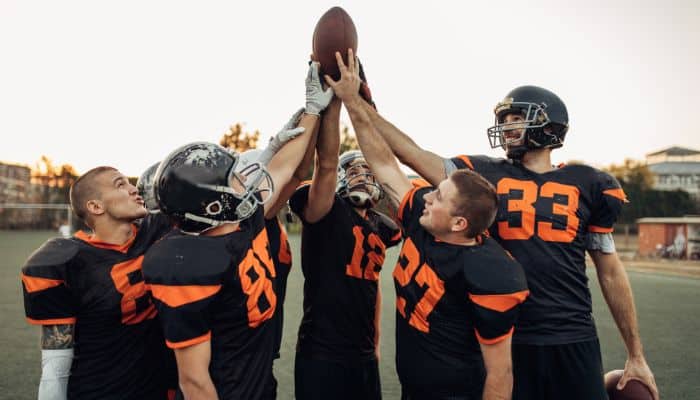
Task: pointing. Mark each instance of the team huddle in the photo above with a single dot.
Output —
(178, 291)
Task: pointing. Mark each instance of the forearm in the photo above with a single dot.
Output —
(374, 148)
(328, 143)
(498, 386)
(617, 292)
(426, 163)
(56, 361)
(198, 389)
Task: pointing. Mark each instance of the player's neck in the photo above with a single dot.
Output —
(456, 238)
(112, 232)
(539, 161)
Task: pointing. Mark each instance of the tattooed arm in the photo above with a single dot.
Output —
(376, 151)
(56, 360)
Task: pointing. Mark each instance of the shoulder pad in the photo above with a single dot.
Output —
(57, 251)
(188, 260)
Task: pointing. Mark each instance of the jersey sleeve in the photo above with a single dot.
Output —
(48, 299)
(609, 200)
(411, 206)
(496, 293)
(183, 287)
(474, 163)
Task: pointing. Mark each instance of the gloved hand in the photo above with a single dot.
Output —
(316, 98)
(364, 87)
(288, 132)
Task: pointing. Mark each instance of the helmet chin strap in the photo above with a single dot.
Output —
(360, 199)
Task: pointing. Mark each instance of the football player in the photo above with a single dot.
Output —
(279, 245)
(343, 248)
(100, 338)
(457, 291)
(548, 217)
(213, 279)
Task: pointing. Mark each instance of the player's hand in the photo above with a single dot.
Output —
(349, 83)
(316, 98)
(637, 368)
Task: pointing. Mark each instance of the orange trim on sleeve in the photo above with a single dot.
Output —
(467, 161)
(36, 284)
(407, 198)
(177, 295)
(499, 302)
(397, 236)
(304, 183)
(122, 248)
(617, 193)
(57, 321)
(188, 343)
(419, 183)
(494, 340)
(599, 229)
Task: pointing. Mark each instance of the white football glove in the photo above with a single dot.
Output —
(288, 132)
(316, 98)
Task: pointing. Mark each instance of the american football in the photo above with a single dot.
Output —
(633, 390)
(334, 31)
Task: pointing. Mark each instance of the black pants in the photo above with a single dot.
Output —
(570, 371)
(322, 379)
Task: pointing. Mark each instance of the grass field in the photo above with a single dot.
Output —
(668, 310)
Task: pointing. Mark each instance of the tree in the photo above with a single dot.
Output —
(236, 139)
(348, 141)
(637, 181)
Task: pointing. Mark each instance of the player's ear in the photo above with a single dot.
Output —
(459, 224)
(95, 207)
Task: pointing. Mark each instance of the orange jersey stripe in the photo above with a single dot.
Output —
(188, 343)
(419, 183)
(599, 229)
(499, 302)
(36, 284)
(617, 193)
(56, 321)
(397, 236)
(122, 248)
(483, 340)
(467, 161)
(175, 296)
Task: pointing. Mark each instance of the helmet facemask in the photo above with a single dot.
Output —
(357, 184)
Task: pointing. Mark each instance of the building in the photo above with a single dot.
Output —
(15, 181)
(676, 168)
(675, 237)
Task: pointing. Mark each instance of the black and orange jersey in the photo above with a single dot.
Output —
(341, 257)
(219, 289)
(99, 287)
(282, 259)
(449, 298)
(543, 220)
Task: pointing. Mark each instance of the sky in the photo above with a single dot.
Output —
(122, 83)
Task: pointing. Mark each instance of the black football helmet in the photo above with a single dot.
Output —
(146, 190)
(545, 123)
(198, 186)
(356, 182)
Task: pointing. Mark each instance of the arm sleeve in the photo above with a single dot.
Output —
(55, 370)
(609, 198)
(411, 206)
(47, 298)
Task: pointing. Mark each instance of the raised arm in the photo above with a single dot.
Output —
(426, 163)
(323, 182)
(293, 151)
(299, 174)
(56, 360)
(616, 289)
(375, 150)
